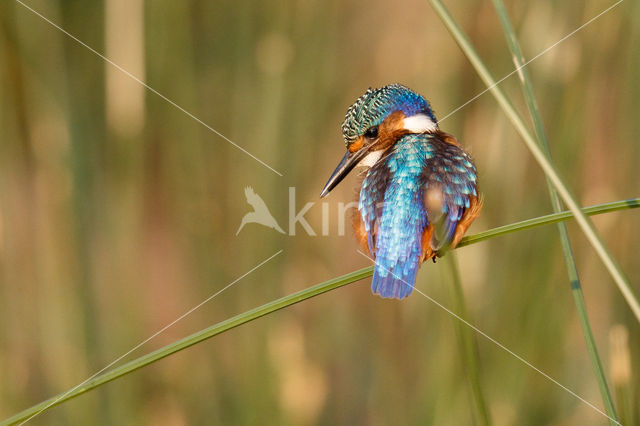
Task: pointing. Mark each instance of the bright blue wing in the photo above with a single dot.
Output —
(394, 216)
(393, 208)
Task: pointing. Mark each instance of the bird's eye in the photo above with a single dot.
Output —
(371, 133)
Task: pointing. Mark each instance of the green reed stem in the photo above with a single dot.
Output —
(468, 341)
(284, 302)
(572, 270)
(585, 224)
(631, 203)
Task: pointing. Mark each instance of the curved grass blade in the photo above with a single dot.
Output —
(549, 219)
(585, 224)
(284, 302)
(572, 270)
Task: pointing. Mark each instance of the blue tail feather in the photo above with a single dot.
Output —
(394, 283)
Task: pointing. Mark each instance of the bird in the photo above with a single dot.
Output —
(419, 193)
(260, 213)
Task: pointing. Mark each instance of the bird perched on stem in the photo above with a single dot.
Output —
(420, 192)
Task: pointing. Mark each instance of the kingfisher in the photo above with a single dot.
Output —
(420, 188)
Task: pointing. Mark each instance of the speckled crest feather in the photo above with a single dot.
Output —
(374, 105)
(393, 208)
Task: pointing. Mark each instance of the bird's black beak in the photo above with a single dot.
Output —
(348, 162)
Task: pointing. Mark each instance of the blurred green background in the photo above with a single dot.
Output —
(118, 212)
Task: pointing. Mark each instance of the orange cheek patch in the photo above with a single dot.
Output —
(391, 129)
(355, 146)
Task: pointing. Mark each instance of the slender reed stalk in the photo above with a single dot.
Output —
(468, 341)
(630, 203)
(572, 270)
(284, 302)
(585, 224)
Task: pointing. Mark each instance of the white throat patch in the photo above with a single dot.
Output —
(370, 159)
(419, 123)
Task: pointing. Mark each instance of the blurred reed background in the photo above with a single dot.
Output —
(118, 212)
